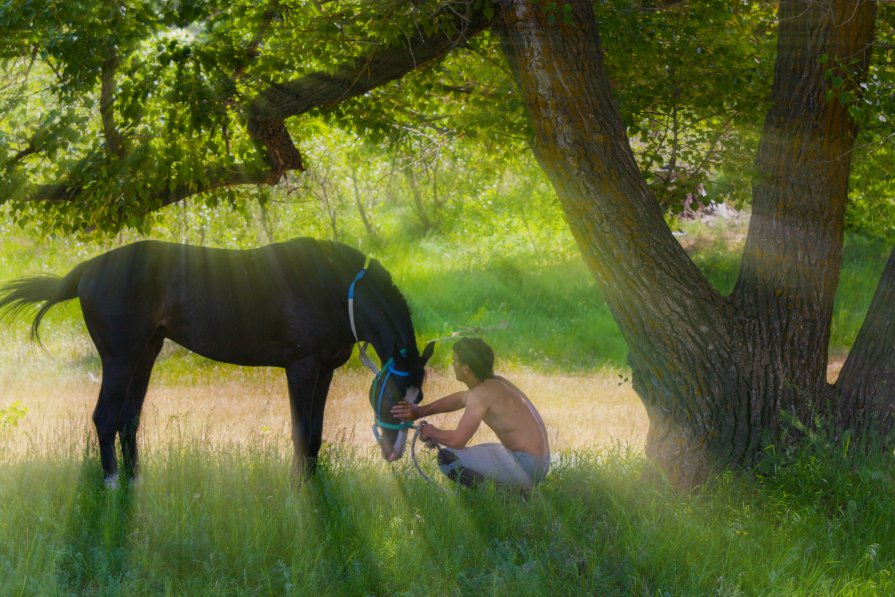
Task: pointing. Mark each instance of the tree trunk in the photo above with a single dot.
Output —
(361, 210)
(713, 372)
(866, 383)
(674, 334)
(419, 207)
(790, 267)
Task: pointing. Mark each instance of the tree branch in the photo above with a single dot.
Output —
(220, 178)
(231, 176)
(268, 111)
(114, 138)
(252, 51)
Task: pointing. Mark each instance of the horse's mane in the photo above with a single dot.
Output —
(386, 286)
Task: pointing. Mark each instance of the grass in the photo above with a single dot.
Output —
(221, 519)
(215, 514)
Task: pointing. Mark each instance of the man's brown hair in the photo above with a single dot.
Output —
(478, 355)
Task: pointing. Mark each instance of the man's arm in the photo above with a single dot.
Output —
(411, 412)
(469, 424)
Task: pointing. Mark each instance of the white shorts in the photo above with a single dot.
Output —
(493, 461)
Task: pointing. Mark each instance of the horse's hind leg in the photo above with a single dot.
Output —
(106, 417)
(133, 404)
(302, 379)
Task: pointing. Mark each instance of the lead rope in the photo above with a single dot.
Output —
(417, 464)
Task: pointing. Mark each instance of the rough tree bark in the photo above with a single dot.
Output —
(714, 372)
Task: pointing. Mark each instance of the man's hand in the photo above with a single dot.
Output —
(427, 441)
(406, 411)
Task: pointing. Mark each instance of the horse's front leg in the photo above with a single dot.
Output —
(302, 377)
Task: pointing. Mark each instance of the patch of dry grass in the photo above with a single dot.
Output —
(231, 405)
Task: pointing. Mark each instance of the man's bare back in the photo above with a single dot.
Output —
(510, 414)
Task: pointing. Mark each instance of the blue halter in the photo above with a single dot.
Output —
(382, 379)
(382, 375)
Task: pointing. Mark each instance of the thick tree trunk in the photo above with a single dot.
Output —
(790, 269)
(713, 373)
(675, 324)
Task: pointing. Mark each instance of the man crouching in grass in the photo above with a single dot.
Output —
(522, 457)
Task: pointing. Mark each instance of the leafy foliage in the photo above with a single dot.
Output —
(692, 81)
(11, 414)
(872, 191)
(112, 111)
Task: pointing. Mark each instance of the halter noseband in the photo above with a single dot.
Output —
(382, 378)
(381, 375)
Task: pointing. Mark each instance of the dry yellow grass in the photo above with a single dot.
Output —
(227, 405)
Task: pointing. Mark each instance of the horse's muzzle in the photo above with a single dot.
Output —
(392, 450)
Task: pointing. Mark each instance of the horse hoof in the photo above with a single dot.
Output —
(111, 481)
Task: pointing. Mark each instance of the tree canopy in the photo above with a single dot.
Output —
(114, 110)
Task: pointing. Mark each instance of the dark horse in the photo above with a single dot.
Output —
(284, 305)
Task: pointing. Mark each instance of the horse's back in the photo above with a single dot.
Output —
(243, 306)
(142, 265)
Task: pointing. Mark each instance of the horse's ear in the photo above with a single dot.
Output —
(427, 352)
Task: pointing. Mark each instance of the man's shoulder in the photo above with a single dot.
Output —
(482, 392)
(489, 389)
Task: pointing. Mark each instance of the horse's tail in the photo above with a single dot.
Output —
(18, 294)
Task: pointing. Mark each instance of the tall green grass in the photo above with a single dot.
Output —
(224, 520)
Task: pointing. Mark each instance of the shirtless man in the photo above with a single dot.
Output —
(522, 457)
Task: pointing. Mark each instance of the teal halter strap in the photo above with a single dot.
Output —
(383, 374)
(382, 378)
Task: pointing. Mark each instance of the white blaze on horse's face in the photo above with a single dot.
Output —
(412, 395)
(391, 442)
(398, 447)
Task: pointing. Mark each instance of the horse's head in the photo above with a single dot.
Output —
(401, 378)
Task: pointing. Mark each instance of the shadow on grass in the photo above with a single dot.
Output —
(95, 551)
(349, 543)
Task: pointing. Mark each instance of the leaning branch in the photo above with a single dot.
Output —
(270, 108)
(268, 111)
(217, 179)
